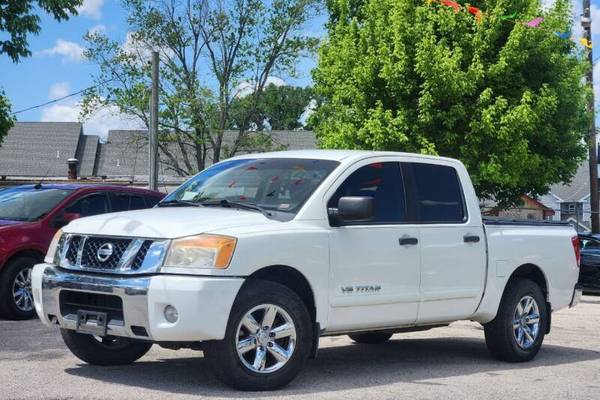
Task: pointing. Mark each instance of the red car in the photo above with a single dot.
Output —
(30, 215)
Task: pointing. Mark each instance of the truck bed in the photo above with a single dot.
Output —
(522, 222)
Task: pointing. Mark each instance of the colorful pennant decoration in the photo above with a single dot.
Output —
(534, 23)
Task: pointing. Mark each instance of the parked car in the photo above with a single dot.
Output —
(30, 215)
(258, 256)
(589, 275)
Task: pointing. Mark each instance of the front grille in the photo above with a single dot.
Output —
(90, 258)
(73, 249)
(106, 254)
(141, 255)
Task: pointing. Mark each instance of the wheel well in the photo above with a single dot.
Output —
(292, 279)
(533, 273)
(24, 253)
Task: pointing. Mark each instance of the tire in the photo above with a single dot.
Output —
(371, 337)
(502, 337)
(236, 370)
(15, 280)
(104, 351)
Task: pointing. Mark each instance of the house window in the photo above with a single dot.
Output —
(572, 208)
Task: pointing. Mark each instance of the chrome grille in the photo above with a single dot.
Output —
(90, 259)
(111, 255)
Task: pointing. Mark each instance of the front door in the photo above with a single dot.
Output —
(374, 266)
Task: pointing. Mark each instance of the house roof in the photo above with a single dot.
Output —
(577, 189)
(126, 151)
(39, 148)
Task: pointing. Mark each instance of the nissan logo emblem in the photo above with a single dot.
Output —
(104, 252)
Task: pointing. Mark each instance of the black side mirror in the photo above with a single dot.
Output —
(353, 209)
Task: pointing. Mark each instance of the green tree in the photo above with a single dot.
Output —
(209, 49)
(18, 19)
(279, 108)
(506, 99)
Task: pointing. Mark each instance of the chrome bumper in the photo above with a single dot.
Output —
(203, 303)
(577, 293)
(132, 291)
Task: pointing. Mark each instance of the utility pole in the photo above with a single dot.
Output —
(586, 23)
(153, 134)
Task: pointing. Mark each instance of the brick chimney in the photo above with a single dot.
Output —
(72, 163)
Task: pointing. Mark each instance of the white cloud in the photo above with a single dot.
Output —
(100, 123)
(246, 88)
(59, 89)
(91, 8)
(97, 29)
(70, 51)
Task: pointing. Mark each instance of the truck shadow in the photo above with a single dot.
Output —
(339, 368)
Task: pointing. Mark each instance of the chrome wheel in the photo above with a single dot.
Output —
(526, 322)
(265, 346)
(22, 295)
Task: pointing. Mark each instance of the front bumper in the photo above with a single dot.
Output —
(203, 303)
(577, 294)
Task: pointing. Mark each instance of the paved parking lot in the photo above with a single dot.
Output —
(442, 363)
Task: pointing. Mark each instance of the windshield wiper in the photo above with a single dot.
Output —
(177, 203)
(236, 204)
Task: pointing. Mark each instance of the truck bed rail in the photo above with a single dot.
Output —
(522, 222)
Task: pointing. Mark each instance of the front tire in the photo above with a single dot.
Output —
(517, 332)
(16, 298)
(268, 339)
(105, 351)
(371, 337)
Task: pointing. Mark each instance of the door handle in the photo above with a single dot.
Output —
(472, 239)
(408, 241)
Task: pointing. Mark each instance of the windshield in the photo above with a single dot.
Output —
(280, 185)
(29, 204)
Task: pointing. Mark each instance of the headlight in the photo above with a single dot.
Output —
(203, 251)
(52, 254)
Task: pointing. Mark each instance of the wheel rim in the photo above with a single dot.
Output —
(266, 346)
(22, 295)
(526, 323)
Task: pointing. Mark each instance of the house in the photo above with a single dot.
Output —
(571, 202)
(529, 208)
(39, 150)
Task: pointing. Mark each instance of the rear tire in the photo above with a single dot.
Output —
(16, 298)
(105, 351)
(284, 341)
(371, 337)
(513, 336)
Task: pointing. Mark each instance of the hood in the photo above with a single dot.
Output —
(4, 222)
(167, 223)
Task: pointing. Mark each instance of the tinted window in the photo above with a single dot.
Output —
(437, 193)
(151, 201)
(126, 202)
(90, 205)
(383, 182)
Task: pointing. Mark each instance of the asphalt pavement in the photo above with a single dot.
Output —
(443, 363)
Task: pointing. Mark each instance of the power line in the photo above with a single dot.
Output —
(61, 98)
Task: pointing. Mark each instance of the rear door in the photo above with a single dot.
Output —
(453, 255)
(127, 202)
(374, 278)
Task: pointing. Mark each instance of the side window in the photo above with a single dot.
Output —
(126, 202)
(383, 182)
(436, 193)
(151, 201)
(91, 205)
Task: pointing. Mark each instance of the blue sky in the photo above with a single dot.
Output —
(57, 68)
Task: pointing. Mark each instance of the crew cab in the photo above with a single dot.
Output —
(30, 215)
(255, 258)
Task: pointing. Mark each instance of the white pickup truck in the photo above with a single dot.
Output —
(255, 258)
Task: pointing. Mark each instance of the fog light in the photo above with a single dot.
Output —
(171, 314)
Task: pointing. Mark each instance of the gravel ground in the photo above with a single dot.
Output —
(441, 363)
